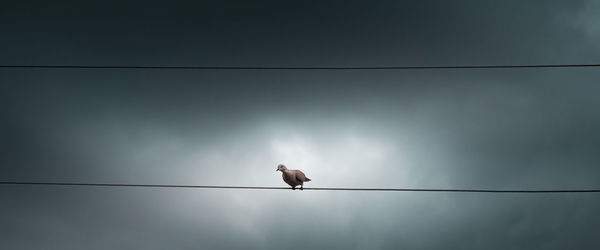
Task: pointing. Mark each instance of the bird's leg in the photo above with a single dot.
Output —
(301, 186)
(294, 188)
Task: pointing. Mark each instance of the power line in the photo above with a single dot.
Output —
(298, 68)
(315, 188)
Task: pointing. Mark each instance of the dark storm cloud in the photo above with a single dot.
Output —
(297, 33)
(458, 129)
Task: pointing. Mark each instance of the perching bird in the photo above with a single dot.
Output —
(292, 177)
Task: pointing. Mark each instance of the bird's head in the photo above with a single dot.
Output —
(280, 167)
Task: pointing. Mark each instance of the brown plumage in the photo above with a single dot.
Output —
(292, 177)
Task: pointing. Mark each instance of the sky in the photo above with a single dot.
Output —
(459, 128)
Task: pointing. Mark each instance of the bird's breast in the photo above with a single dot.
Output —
(290, 179)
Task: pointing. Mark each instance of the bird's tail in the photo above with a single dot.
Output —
(307, 180)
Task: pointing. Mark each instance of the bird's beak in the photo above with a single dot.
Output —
(276, 170)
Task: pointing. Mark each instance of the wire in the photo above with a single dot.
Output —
(316, 188)
(297, 68)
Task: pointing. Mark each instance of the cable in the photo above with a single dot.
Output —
(297, 68)
(317, 188)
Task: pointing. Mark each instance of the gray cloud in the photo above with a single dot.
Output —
(534, 128)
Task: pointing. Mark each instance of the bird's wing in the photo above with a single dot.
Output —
(300, 176)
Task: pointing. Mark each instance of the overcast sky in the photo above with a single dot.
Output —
(477, 128)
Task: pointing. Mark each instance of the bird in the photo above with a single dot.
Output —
(292, 177)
